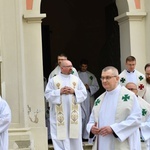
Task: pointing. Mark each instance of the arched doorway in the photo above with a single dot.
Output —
(81, 30)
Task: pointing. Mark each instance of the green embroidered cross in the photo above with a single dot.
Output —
(122, 80)
(72, 72)
(126, 97)
(97, 101)
(144, 112)
(140, 78)
(91, 77)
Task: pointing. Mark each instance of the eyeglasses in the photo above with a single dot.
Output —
(131, 89)
(62, 59)
(68, 66)
(106, 78)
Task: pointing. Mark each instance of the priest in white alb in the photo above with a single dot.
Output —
(60, 58)
(66, 92)
(116, 116)
(92, 87)
(145, 111)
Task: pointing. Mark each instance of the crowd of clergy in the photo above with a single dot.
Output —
(119, 119)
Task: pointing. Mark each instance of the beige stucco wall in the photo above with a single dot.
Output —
(22, 73)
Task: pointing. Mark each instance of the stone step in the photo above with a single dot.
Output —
(86, 146)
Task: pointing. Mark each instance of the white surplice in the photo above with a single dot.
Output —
(145, 125)
(147, 92)
(126, 129)
(5, 119)
(144, 91)
(135, 77)
(89, 79)
(53, 96)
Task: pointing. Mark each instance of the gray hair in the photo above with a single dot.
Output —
(114, 70)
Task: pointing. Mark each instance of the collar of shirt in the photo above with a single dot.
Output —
(130, 71)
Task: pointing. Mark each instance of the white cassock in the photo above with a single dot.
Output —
(90, 79)
(144, 91)
(145, 125)
(124, 117)
(57, 70)
(135, 77)
(5, 119)
(53, 96)
(147, 93)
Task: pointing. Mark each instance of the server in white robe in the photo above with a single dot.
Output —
(130, 74)
(57, 70)
(91, 84)
(66, 92)
(145, 111)
(116, 116)
(5, 119)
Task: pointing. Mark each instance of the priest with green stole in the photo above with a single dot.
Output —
(116, 116)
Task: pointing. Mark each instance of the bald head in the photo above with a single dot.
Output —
(132, 87)
(66, 67)
(65, 63)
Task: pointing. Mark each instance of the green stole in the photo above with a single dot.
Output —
(125, 102)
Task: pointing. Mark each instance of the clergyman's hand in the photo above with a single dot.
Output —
(106, 130)
(70, 90)
(95, 129)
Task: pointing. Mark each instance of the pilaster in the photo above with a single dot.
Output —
(132, 36)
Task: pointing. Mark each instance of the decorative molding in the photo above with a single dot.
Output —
(30, 18)
(11, 130)
(134, 16)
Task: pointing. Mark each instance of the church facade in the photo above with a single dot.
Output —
(21, 70)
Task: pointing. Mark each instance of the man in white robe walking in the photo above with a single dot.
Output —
(145, 111)
(66, 92)
(130, 74)
(60, 58)
(116, 116)
(92, 87)
(5, 119)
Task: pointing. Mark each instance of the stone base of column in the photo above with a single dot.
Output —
(20, 139)
(28, 139)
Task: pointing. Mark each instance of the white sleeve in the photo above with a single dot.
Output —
(145, 129)
(5, 116)
(125, 128)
